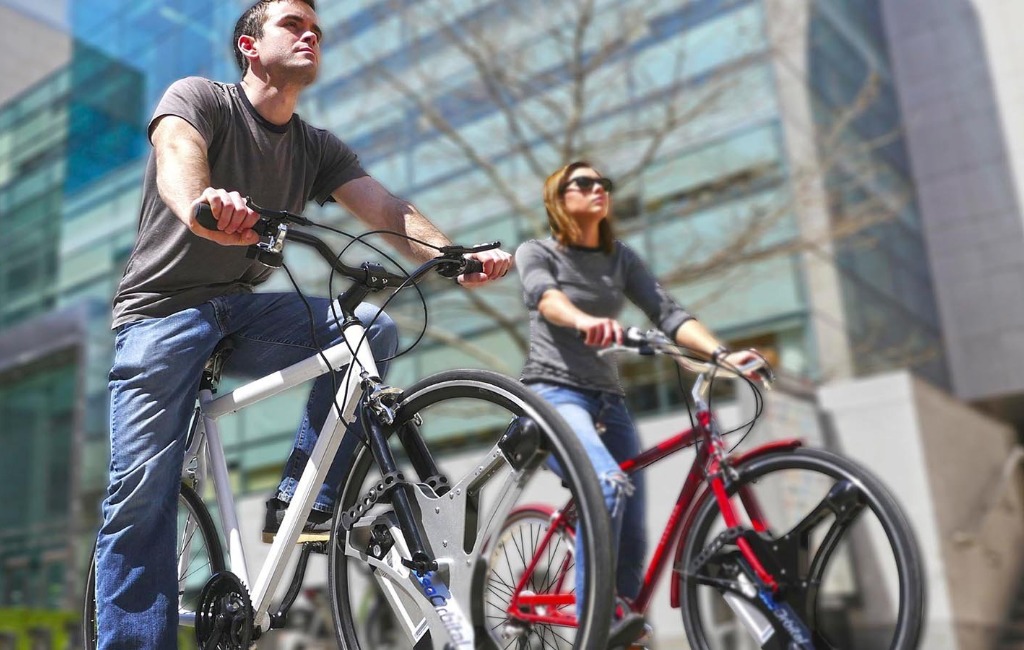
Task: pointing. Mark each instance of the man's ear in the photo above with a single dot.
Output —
(247, 46)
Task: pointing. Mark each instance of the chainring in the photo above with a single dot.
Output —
(224, 618)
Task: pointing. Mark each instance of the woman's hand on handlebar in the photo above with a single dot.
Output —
(234, 218)
(741, 358)
(496, 263)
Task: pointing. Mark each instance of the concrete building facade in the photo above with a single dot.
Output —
(960, 77)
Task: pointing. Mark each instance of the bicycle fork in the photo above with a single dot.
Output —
(378, 416)
(756, 582)
(375, 415)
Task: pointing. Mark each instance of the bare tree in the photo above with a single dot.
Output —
(557, 82)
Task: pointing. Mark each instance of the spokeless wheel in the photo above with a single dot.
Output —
(842, 551)
(462, 519)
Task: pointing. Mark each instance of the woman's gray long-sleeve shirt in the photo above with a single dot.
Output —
(598, 283)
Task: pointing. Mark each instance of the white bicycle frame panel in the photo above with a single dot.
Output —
(339, 356)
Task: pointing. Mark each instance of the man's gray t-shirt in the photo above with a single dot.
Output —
(598, 283)
(279, 167)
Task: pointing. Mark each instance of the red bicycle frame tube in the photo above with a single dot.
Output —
(749, 502)
(523, 606)
(732, 521)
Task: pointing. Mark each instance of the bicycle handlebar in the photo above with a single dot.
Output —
(651, 342)
(272, 228)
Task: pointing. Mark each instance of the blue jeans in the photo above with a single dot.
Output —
(586, 411)
(153, 385)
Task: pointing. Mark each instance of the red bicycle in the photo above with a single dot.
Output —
(779, 547)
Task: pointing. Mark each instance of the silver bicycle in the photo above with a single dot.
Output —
(404, 526)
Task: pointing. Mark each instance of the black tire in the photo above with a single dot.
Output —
(381, 630)
(458, 401)
(208, 559)
(555, 572)
(875, 548)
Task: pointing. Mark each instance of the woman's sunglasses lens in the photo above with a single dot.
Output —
(586, 183)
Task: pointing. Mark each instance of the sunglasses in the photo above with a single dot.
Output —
(587, 183)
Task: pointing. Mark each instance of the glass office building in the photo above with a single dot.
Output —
(66, 132)
(891, 313)
(463, 107)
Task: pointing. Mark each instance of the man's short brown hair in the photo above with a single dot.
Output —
(251, 23)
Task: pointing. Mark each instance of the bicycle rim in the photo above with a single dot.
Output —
(853, 569)
(523, 538)
(483, 405)
(199, 555)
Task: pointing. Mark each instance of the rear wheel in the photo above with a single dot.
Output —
(837, 542)
(524, 537)
(462, 521)
(199, 556)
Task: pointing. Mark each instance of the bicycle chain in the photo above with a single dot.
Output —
(388, 482)
(728, 536)
(438, 483)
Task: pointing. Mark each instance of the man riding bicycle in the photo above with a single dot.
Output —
(186, 288)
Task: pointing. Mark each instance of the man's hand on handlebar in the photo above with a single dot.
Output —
(599, 332)
(234, 218)
(496, 263)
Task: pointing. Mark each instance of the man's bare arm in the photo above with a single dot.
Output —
(183, 180)
(382, 210)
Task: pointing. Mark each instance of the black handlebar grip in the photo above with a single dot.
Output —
(473, 266)
(204, 216)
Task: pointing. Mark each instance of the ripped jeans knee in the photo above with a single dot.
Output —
(616, 487)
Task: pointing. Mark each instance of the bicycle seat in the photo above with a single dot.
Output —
(215, 364)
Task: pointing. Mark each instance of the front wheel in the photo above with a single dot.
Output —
(461, 521)
(199, 556)
(837, 542)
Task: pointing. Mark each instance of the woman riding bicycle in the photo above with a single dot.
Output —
(575, 284)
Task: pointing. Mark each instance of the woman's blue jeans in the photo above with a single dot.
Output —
(604, 426)
(153, 384)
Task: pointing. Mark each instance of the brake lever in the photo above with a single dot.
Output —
(453, 267)
(767, 376)
(453, 250)
(278, 215)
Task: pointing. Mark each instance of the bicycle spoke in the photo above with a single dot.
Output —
(199, 556)
(506, 588)
(547, 584)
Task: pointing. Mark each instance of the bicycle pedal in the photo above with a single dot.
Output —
(304, 538)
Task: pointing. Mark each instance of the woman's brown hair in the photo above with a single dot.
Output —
(564, 228)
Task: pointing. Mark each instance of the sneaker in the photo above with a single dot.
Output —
(640, 643)
(317, 528)
(627, 626)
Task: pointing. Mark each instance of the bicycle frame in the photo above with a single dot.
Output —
(414, 571)
(710, 467)
(208, 449)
